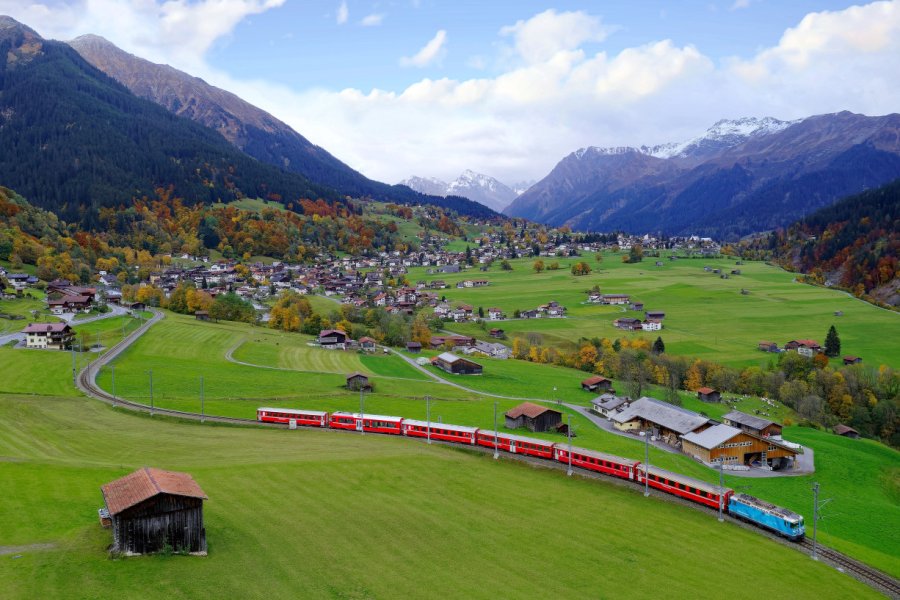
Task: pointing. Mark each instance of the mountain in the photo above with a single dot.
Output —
(474, 186)
(853, 244)
(251, 129)
(74, 140)
(739, 177)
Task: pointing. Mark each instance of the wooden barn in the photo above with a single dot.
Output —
(456, 364)
(533, 416)
(592, 384)
(708, 394)
(752, 424)
(357, 381)
(153, 510)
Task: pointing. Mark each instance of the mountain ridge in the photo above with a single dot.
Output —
(477, 187)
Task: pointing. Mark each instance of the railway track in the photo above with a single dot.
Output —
(86, 382)
(872, 577)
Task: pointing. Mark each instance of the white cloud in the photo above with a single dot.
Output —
(549, 32)
(343, 13)
(372, 20)
(429, 53)
(740, 4)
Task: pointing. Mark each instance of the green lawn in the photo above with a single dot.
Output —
(320, 514)
(32, 300)
(706, 317)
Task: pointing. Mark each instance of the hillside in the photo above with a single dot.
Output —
(740, 177)
(76, 140)
(252, 130)
(853, 244)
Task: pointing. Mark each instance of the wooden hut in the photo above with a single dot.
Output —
(456, 365)
(357, 381)
(153, 510)
(533, 416)
(592, 384)
(708, 394)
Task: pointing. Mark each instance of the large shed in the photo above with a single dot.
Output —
(456, 364)
(152, 510)
(533, 416)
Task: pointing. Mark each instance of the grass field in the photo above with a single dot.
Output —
(180, 349)
(322, 514)
(23, 307)
(706, 317)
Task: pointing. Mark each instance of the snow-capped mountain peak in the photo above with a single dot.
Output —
(474, 186)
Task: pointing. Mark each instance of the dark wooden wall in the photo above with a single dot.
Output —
(176, 521)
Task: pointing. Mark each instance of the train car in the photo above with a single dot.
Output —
(515, 444)
(365, 422)
(768, 516)
(313, 418)
(597, 461)
(440, 431)
(683, 486)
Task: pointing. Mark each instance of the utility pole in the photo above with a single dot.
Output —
(816, 508)
(569, 433)
(150, 373)
(428, 416)
(201, 398)
(74, 376)
(362, 419)
(112, 371)
(721, 488)
(646, 463)
(496, 434)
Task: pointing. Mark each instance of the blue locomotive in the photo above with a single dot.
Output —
(767, 515)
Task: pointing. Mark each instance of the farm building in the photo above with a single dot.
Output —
(808, 348)
(52, 336)
(845, 431)
(456, 364)
(367, 343)
(413, 347)
(655, 316)
(152, 510)
(723, 444)
(333, 338)
(59, 306)
(852, 360)
(592, 384)
(358, 381)
(751, 424)
(201, 315)
(535, 417)
(607, 404)
(496, 332)
(708, 394)
(439, 341)
(768, 346)
(664, 420)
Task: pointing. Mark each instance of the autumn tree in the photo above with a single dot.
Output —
(538, 266)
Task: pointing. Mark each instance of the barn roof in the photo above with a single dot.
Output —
(737, 416)
(529, 409)
(712, 437)
(43, 327)
(667, 415)
(146, 483)
(706, 390)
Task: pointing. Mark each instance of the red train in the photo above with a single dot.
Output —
(608, 464)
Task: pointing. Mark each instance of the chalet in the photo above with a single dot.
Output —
(637, 306)
(135, 306)
(845, 431)
(496, 332)
(455, 341)
(808, 348)
(65, 304)
(628, 324)
(555, 310)
(724, 444)
(456, 365)
(201, 315)
(333, 338)
(367, 343)
(533, 416)
(530, 314)
(20, 281)
(707, 394)
(607, 404)
(495, 314)
(751, 424)
(595, 298)
(50, 336)
(768, 346)
(592, 384)
(655, 316)
(615, 298)
(852, 360)
(413, 347)
(152, 510)
(495, 350)
(357, 381)
(663, 420)
(648, 325)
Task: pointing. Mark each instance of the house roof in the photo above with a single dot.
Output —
(145, 483)
(46, 328)
(357, 374)
(327, 332)
(448, 357)
(737, 416)
(413, 344)
(661, 413)
(594, 380)
(712, 437)
(841, 429)
(706, 390)
(609, 401)
(529, 409)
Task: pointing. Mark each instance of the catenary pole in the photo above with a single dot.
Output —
(496, 434)
(646, 463)
(150, 372)
(569, 433)
(428, 415)
(201, 399)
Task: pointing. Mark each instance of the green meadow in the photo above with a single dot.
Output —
(290, 373)
(319, 514)
(706, 316)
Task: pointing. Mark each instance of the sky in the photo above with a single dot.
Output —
(396, 88)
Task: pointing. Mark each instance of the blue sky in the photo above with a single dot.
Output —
(421, 87)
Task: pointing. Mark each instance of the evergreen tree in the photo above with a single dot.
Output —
(658, 346)
(832, 343)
